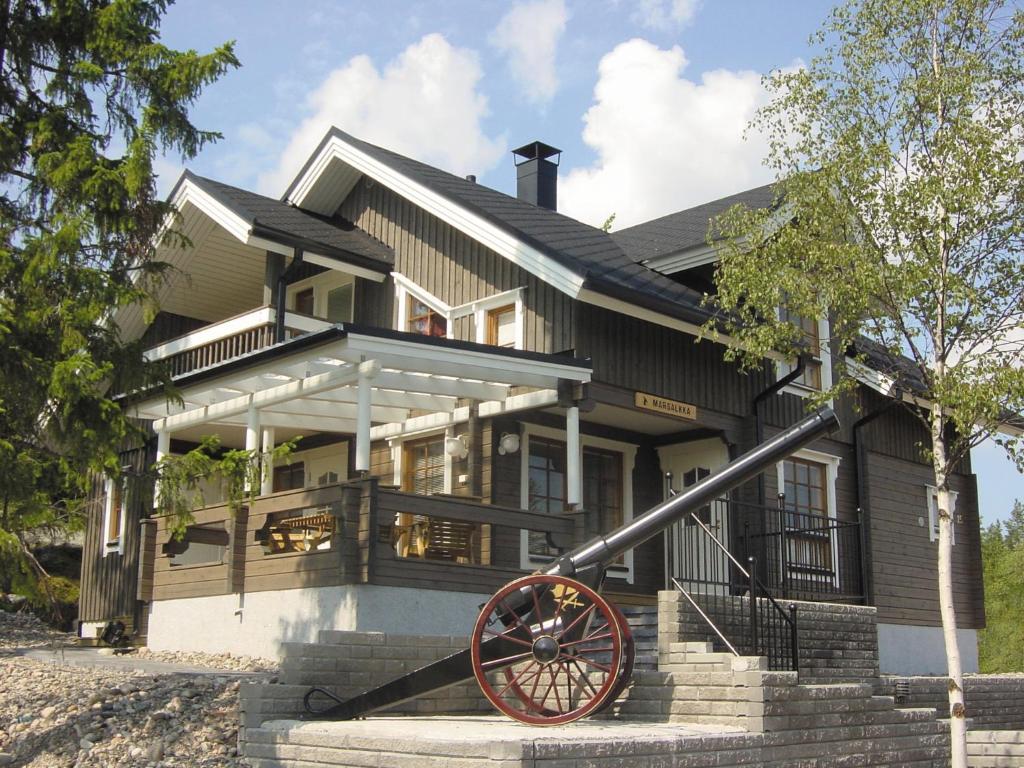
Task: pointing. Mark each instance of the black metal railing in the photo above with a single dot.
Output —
(732, 607)
(806, 556)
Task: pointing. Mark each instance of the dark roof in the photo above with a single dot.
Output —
(283, 223)
(585, 250)
(901, 368)
(685, 229)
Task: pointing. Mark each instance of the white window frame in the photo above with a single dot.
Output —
(482, 307)
(404, 287)
(322, 284)
(824, 358)
(114, 546)
(628, 451)
(477, 309)
(831, 463)
(932, 500)
(397, 445)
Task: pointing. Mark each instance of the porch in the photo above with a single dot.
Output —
(353, 532)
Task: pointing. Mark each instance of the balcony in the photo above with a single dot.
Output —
(229, 339)
(354, 532)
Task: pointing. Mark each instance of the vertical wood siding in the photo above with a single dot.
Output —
(904, 560)
(453, 267)
(109, 584)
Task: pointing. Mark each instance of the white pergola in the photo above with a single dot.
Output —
(350, 380)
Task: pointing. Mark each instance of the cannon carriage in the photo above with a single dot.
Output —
(548, 648)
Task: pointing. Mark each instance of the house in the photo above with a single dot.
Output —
(479, 381)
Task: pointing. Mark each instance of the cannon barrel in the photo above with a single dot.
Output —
(604, 549)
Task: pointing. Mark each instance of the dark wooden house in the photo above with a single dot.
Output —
(479, 381)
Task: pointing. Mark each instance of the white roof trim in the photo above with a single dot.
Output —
(467, 222)
(687, 258)
(886, 385)
(190, 192)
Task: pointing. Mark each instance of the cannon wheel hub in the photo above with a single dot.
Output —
(546, 649)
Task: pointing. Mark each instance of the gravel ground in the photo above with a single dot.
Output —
(54, 714)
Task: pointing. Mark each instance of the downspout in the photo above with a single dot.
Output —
(789, 378)
(863, 498)
(282, 296)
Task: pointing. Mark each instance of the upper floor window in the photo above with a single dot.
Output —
(425, 320)
(327, 296)
(501, 326)
(810, 333)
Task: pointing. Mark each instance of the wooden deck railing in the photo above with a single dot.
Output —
(345, 533)
(227, 339)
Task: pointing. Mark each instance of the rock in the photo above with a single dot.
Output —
(85, 744)
(155, 752)
(47, 712)
(6, 758)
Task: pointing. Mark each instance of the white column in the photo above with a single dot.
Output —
(367, 370)
(252, 432)
(573, 480)
(163, 447)
(268, 461)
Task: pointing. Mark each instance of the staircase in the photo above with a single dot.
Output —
(643, 622)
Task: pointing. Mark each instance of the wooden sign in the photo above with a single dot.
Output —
(665, 406)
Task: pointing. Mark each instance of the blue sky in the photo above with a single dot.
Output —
(648, 99)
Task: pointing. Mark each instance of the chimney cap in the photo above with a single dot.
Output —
(537, 150)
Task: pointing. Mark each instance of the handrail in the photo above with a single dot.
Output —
(756, 590)
(704, 616)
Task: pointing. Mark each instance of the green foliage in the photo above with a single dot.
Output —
(1001, 643)
(88, 97)
(607, 226)
(180, 478)
(900, 209)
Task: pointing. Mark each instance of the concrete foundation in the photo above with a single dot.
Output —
(258, 623)
(905, 649)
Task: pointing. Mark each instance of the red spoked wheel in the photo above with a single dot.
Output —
(548, 650)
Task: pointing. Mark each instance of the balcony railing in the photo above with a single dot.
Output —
(227, 339)
(355, 532)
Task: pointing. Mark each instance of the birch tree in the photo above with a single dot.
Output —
(900, 216)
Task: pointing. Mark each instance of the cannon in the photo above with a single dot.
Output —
(547, 648)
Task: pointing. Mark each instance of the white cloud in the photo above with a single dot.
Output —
(528, 36)
(664, 142)
(665, 14)
(424, 104)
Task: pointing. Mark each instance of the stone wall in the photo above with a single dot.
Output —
(995, 749)
(994, 702)
(348, 663)
(838, 643)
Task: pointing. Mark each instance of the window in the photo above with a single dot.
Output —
(501, 326)
(607, 489)
(807, 482)
(289, 477)
(423, 465)
(425, 320)
(546, 489)
(811, 337)
(933, 513)
(114, 517)
(327, 296)
(205, 544)
(304, 301)
(602, 489)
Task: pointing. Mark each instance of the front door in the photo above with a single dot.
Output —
(692, 556)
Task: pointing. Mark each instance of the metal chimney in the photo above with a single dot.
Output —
(536, 175)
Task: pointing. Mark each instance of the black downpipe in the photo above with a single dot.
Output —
(863, 502)
(789, 378)
(282, 296)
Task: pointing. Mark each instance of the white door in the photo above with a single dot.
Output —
(692, 556)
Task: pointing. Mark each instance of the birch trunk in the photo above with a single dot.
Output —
(955, 684)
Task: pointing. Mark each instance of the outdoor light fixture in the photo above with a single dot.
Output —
(509, 443)
(456, 447)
